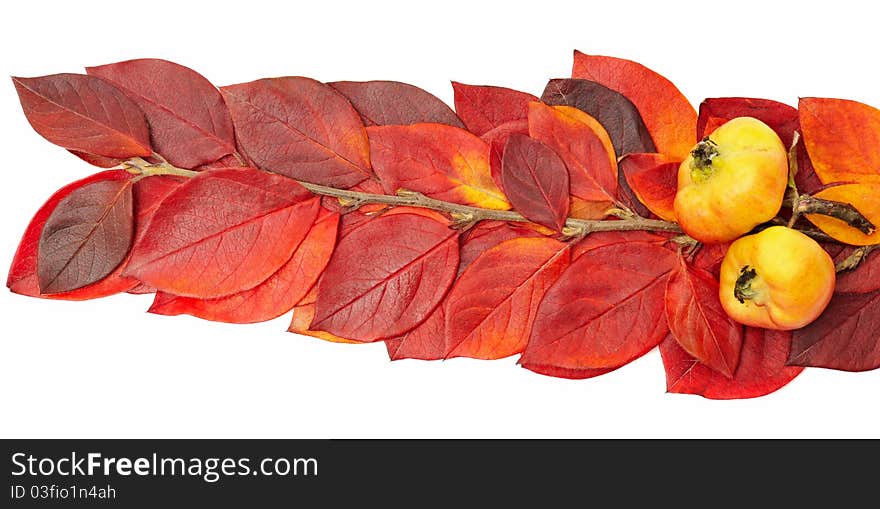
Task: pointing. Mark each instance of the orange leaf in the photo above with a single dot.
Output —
(587, 151)
(865, 198)
(440, 161)
(654, 180)
(842, 138)
(669, 116)
(490, 310)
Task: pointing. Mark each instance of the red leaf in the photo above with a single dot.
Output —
(535, 181)
(274, 296)
(497, 138)
(85, 114)
(781, 117)
(22, 277)
(842, 138)
(585, 148)
(602, 239)
(653, 178)
(87, 235)
(844, 337)
(614, 111)
(440, 161)
(604, 311)
(189, 122)
(486, 235)
(303, 315)
(484, 108)
(490, 309)
(571, 374)
(667, 113)
(300, 128)
(428, 340)
(148, 196)
(761, 369)
(710, 256)
(863, 279)
(386, 276)
(223, 232)
(395, 103)
(699, 323)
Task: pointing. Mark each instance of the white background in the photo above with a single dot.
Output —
(106, 368)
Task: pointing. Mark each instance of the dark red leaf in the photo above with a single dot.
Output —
(395, 103)
(710, 256)
(614, 111)
(781, 117)
(535, 181)
(87, 235)
(274, 296)
(23, 271)
(484, 108)
(698, 322)
(844, 337)
(223, 232)
(189, 122)
(427, 341)
(85, 114)
(490, 309)
(761, 369)
(864, 278)
(604, 311)
(386, 277)
(301, 128)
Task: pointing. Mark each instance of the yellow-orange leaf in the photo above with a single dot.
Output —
(863, 197)
(842, 138)
(669, 116)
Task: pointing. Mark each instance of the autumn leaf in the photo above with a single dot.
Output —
(605, 310)
(602, 239)
(22, 277)
(536, 181)
(653, 179)
(864, 197)
(428, 340)
(844, 336)
(571, 374)
(863, 279)
(698, 322)
(491, 308)
(762, 368)
(395, 103)
(148, 194)
(84, 114)
(274, 296)
(842, 137)
(497, 138)
(223, 232)
(87, 235)
(588, 154)
(668, 115)
(440, 161)
(300, 128)
(615, 113)
(484, 108)
(782, 118)
(386, 276)
(304, 314)
(189, 122)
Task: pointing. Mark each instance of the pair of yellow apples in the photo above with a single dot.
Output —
(734, 180)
